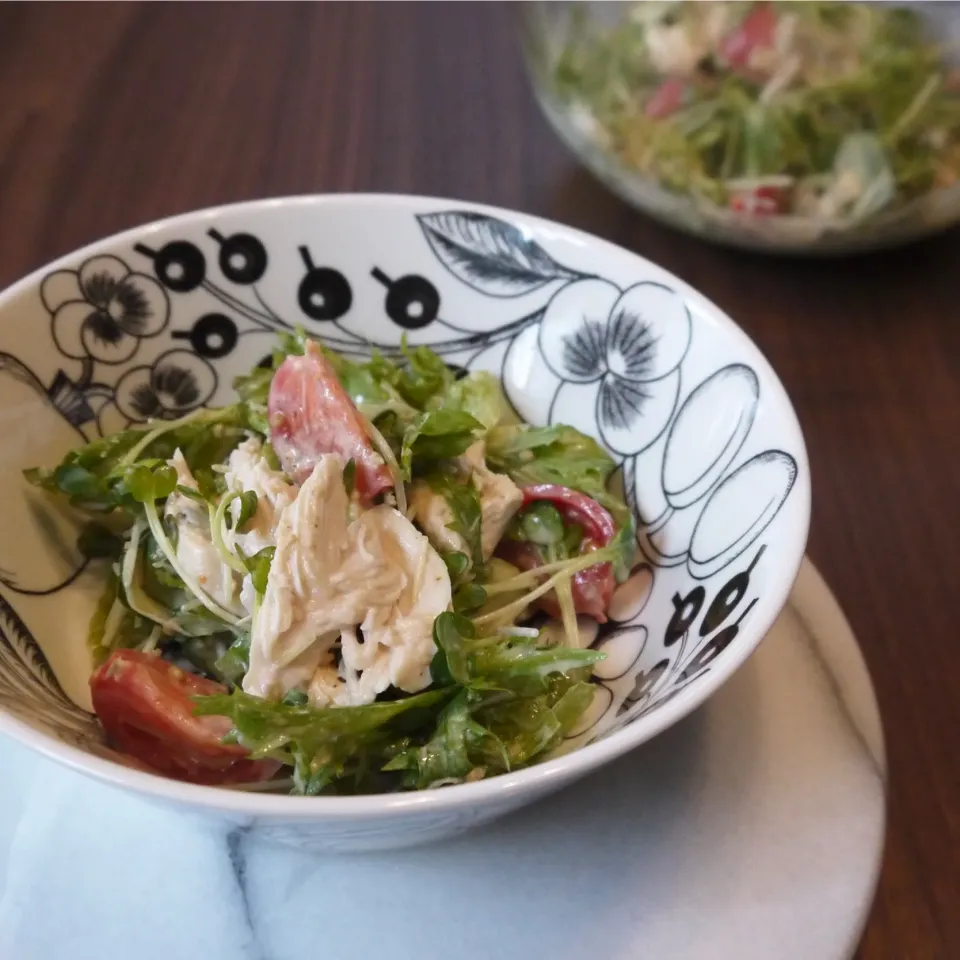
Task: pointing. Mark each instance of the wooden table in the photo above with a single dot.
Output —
(116, 114)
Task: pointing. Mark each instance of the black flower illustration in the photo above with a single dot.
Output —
(103, 310)
(629, 345)
(176, 383)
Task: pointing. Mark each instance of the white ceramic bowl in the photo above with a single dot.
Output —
(156, 321)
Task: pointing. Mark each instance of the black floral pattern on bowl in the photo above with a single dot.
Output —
(103, 310)
(629, 344)
(174, 384)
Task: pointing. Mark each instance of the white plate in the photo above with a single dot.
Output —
(753, 829)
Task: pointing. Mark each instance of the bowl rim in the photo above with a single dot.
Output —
(538, 778)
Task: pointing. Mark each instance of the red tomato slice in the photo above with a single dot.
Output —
(756, 32)
(760, 202)
(145, 707)
(310, 415)
(666, 99)
(592, 591)
(591, 588)
(575, 507)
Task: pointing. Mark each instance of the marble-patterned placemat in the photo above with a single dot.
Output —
(751, 830)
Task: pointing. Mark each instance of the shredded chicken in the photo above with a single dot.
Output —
(677, 48)
(397, 645)
(500, 498)
(180, 508)
(296, 624)
(247, 469)
(327, 577)
(432, 512)
(673, 50)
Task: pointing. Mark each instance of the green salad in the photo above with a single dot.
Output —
(834, 112)
(361, 576)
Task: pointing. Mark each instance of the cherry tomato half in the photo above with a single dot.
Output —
(310, 414)
(591, 588)
(575, 507)
(760, 201)
(666, 99)
(757, 31)
(145, 706)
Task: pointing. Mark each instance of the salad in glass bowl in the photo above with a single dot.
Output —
(359, 577)
(778, 125)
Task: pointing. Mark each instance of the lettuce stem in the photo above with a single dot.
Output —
(531, 578)
(217, 518)
(570, 567)
(133, 454)
(383, 448)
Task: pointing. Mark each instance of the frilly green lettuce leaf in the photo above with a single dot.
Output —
(516, 702)
(478, 394)
(105, 475)
(440, 434)
(324, 745)
(557, 454)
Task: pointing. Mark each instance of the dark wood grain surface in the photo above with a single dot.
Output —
(115, 114)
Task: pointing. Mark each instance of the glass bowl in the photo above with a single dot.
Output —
(559, 37)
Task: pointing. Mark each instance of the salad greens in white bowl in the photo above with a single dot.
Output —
(366, 519)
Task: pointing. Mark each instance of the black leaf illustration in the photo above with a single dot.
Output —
(490, 255)
(26, 680)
